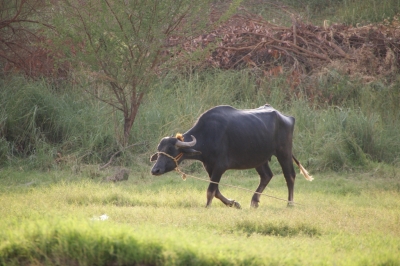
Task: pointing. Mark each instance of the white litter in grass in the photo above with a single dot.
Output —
(103, 217)
(100, 218)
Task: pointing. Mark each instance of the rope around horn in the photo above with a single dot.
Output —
(184, 175)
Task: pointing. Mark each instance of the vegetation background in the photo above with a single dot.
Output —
(65, 107)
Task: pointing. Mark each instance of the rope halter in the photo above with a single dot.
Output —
(175, 159)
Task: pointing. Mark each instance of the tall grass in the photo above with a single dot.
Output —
(357, 127)
(350, 126)
(178, 100)
(41, 124)
(352, 12)
(369, 11)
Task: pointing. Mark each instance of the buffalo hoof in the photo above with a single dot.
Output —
(290, 204)
(254, 204)
(236, 205)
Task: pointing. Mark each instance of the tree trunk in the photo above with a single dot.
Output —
(130, 115)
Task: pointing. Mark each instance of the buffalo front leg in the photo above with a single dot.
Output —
(265, 176)
(213, 191)
(227, 202)
(215, 177)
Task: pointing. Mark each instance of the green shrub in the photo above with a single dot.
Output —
(38, 123)
(335, 138)
(358, 125)
(366, 11)
(346, 11)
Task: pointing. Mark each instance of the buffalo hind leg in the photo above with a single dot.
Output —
(265, 176)
(290, 175)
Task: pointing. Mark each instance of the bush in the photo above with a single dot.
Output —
(327, 137)
(40, 124)
(351, 12)
(367, 11)
(43, 127)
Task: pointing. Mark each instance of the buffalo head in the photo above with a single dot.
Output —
(170, 153)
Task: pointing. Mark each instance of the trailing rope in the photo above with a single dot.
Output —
(184, 175)
(232, 186)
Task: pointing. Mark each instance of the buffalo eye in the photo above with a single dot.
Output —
(154, 157)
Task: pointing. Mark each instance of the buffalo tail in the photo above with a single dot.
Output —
(303, 171)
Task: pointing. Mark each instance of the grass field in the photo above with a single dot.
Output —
(54, 219)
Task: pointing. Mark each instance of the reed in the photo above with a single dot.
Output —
(47, 129)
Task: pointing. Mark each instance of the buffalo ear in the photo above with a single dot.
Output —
(154, 157)
(190, 151)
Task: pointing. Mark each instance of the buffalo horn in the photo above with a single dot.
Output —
(181, 144)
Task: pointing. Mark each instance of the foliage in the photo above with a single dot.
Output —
(21, 22)
(116, 47)
(46, 127)
(346, 114)
(345, 134)
(351, 12)
(341, 131)
(356, 12)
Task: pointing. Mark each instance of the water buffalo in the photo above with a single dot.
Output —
(227, 138)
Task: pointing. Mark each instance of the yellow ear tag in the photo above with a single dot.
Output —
(179, 136)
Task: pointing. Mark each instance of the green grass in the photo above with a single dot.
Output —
(38, 124)
(38, 121)
(351, 12)
(360, 126)
(52, 219)
(367, 11)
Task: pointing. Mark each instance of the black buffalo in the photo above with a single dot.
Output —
(227, 138)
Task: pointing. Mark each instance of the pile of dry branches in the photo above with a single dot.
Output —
(247, 41)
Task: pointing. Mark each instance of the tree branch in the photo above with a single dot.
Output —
(118, 152)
